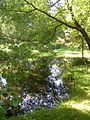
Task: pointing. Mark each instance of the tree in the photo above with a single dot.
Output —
(76, 16)
(71, 14)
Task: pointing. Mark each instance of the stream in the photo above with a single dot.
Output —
(56, 91)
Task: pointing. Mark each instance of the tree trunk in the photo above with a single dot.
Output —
(83, 32)
(85, 35)
(77, 26)
(82, 48)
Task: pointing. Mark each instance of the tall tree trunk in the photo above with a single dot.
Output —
(82, 48)
(84, 33)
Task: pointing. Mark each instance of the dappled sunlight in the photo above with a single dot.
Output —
(88, 92)
(7, 49)
(44, 59)
(86, 89)
(71, 53)
(4, 48)
(35, 51)
(77, 54)
(46, 54)
(83, 106)
(87, 76)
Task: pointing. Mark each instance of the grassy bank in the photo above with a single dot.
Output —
(77, 107)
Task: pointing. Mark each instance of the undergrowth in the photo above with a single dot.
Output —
(77, 107)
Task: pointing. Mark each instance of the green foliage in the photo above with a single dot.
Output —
(15, 101)
(28, 39)
(80, 61)
(63, 113)
(67, 110)
(2, 113)
(3, 94)
(3, 55)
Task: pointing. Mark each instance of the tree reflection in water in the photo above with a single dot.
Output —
(56, 90)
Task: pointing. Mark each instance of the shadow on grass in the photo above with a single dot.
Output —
(80, 91)
(55, 114)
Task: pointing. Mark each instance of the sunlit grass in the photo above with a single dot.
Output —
(4, 48)
(70, 53)
(61, 53)
(77, 107)
(83, 106)
(80, 98)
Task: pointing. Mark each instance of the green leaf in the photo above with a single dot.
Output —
(15, 101)
(2, 111)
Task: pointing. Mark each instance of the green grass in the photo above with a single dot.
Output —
(56, 114)
(77, 107)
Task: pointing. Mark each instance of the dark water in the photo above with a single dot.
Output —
(55, 91)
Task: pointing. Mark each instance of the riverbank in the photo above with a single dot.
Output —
(77, 107)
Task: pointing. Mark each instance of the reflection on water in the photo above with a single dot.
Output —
(3, 82)
(55, 91)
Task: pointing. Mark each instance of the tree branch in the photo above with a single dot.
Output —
(77, 26)
(55, 30)
(54, 18)
(23, 11)
(55, 3)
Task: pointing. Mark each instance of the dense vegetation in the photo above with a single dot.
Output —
(32, 34)
(76, 107)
